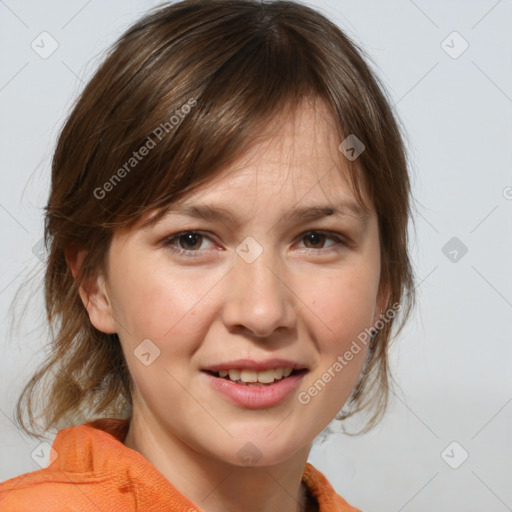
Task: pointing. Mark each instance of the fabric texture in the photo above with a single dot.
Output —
(94, 471)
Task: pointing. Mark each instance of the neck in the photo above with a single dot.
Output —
(216, 486)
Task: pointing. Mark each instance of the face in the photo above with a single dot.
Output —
(270, 281)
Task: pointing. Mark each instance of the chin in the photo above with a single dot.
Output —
(247, 450)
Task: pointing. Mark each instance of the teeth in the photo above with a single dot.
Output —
(234, 374)
(266, 377)
(278, 373)
(252, 376)
(247, 376)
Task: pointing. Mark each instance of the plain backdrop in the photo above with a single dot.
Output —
(445, 443)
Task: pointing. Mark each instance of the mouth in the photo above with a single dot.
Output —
(253, 378)
(253, 385)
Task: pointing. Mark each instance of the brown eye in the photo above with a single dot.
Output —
(314, 239)
(188, 243)
(189, 240)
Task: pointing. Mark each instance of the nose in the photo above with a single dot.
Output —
(259, 296)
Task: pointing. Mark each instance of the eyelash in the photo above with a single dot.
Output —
(170, 241)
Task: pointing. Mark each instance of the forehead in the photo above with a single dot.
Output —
(301, 146)
(293, 162)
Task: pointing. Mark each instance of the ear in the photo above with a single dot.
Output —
(93, 292)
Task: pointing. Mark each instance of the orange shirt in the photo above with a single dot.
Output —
(95, 471)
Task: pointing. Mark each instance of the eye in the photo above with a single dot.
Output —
(191, 243)
(318, 238)
(186, 243)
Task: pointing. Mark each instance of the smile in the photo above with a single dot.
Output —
(244, 388)
(247, 376)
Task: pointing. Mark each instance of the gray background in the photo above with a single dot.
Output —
(452, 363)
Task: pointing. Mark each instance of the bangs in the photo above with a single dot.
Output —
(186, 115)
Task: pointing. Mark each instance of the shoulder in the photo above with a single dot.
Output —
(50, 491)
(328, 499)
(92, 471)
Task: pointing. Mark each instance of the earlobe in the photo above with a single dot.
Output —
(93, 293)
(99, 305)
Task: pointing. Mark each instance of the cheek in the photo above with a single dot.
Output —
(341, 307)
(170, 310)
(339, 310)
(151, 302)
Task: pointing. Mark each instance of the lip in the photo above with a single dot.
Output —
(250, 364)
(256, 397)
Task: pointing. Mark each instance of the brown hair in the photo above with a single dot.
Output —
(193, 82)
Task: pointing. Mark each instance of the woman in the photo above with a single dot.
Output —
(227, 236)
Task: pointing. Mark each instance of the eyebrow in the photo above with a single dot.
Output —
(342, 209)
(297, 213)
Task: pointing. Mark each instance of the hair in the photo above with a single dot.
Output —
(193, 82)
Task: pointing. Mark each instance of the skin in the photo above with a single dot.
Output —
(303, 298)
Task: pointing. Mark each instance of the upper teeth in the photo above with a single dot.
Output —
(264, 377)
